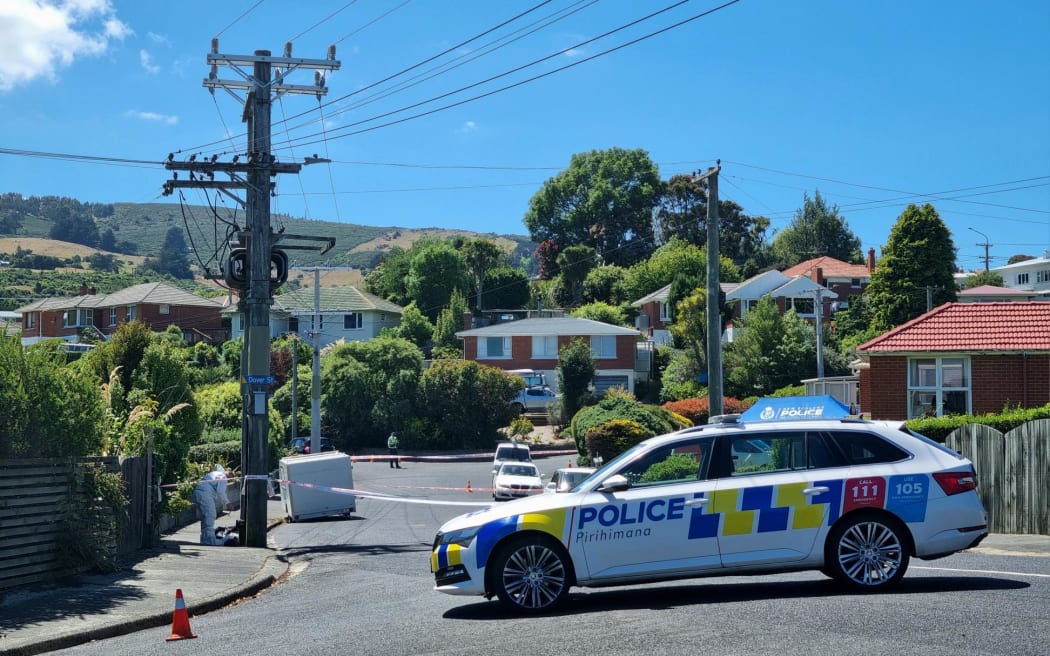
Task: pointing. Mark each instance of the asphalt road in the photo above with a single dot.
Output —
(363, 586)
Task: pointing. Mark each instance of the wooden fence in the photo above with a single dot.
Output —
(1013, 474)
(40, 506)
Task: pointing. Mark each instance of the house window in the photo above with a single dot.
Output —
(665, 312)
(164, 308)
(938, 387)
(854, 282)
(1043, 275)
(112, 316)
(317, 322)
(240, 322)
(493, 348)
(69, 319)
(802, 305)
(545, 346)
(603, 346)
(30, 319)
(87, 318)
(352, 321)
(1022, 279)
(131, 312)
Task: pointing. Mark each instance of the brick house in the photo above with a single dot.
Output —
(959, 358)
(534, 344)
(156, 304)
(842, 278)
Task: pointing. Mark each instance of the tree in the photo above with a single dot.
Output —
(465, 403)
(575, 374)
(682, 214)
(601, 311)
(480, 255)
(676, 257)
(433, 275)
(47, 409)
(773, 350)
(816, 230)
(414, 326)
(605, 283)
(450, 322)
(368, 389)
(603, 200)
(983, 278)
(574, 263)
(173, 258)
(916, 270)
(506, 289)
(547, 256)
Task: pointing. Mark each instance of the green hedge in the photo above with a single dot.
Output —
(227, 454)
(938, 428)
(613, 437)
(654, 419)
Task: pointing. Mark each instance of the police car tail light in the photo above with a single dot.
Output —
(956, 482)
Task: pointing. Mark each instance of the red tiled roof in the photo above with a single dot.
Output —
(1018, 326)
(831, 268)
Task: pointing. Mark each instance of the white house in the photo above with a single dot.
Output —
(346, 313)
(1030, 275)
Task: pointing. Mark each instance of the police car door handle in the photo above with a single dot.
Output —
(692, 503)
(820, 489)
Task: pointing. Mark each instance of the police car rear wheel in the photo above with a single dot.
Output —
(867, 553)
(531, 574)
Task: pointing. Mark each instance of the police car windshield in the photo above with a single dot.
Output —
(618, 461)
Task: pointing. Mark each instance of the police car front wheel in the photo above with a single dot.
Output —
(867, 552)
(531, 574)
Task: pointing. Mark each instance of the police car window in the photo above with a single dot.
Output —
(823, 453)
(769, 452)
(673, 463)
(866, 448)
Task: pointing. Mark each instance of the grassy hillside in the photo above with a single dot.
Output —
(145, 224)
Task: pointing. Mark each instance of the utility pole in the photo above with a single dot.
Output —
(987, 259)
(254, 267)
(714, 309)
(819, 314)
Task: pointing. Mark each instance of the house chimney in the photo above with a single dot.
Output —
(83, 290)
(468, 320)
(871, 260)
(818, 275)
(91, 290)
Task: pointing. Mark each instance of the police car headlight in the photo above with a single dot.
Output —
(462, 537)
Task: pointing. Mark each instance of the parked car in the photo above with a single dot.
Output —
(510, 452)
(533, 399)
(302, 444)
(566, 478)
(514, 480)
(851, 498)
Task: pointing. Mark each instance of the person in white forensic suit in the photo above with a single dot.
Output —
(210, 495)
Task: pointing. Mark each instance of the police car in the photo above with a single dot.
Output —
(852, 498)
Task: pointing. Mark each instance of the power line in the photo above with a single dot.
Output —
(236, 20)
(521, 82)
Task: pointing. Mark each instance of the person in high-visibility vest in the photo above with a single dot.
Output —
(391, 445)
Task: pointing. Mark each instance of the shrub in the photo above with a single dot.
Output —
(698, 410)
(790, 390)
(611, 438)
(616, 406)
(227, 454)
(938, 428)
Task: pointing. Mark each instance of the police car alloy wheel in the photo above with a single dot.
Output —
(867, 553)
(531, 575)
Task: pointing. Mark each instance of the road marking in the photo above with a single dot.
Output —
(984, 571)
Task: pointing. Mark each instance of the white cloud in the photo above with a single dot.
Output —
(468, 127)
(166, 119)
(147, 63)
(39, 36)
(159, 39)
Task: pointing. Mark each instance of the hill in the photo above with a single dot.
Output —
(139, 229)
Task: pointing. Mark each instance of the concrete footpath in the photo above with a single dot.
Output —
(142, 594)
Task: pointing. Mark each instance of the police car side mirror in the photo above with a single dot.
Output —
(616, 483)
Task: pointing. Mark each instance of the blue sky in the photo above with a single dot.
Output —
(876, 104)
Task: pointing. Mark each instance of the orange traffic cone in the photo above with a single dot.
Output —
(373, 458)
(180, 620)
(468, 487)
(570, 464)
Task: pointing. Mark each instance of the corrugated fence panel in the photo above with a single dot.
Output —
(985, 447)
